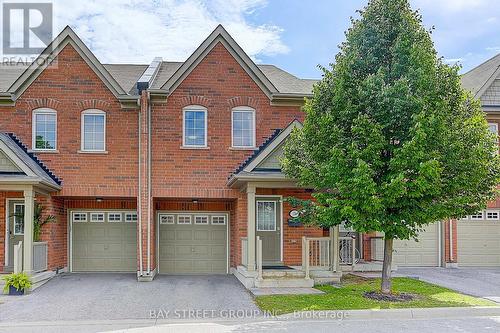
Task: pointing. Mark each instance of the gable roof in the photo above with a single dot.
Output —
(250, 167)
(31, 169)
(68, 37)
(219, 35)
(122, 79)
(478, 79)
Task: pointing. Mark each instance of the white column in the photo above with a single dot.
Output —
(251, 227)
(334, 238)
(28, 230)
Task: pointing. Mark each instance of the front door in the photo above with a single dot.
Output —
(268, 228)
(15, 228)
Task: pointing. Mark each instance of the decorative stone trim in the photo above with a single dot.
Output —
(37, 103)
(196, 100)
(93, 104)
(242, 101)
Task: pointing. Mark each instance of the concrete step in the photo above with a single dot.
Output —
(284, 283)
(282, 273)
(39, 279)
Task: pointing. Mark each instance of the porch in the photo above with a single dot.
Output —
(324, 260)
(22, 177)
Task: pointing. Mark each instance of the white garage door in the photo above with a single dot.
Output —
(103, 241)
(425, 252)
(479, 239)
(193, 243)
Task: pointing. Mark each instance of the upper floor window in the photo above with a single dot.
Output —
(93, 130)
(195, 126)
(493, 127)
(243, 127)
(44, 129)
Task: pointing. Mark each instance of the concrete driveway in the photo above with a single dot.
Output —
(120, 296)
(481, 282)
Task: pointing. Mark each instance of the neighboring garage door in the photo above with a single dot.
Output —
(478, 239)
(193, 243)
(425, 252)
(104, 241)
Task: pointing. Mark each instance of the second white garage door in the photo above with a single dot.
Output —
(423, 253)
(193, 243)
(479, 240)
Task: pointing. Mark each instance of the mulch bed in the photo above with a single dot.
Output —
(402, 297)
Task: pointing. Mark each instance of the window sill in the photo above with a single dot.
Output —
(195, 148)
(242, 148)
(104, 152)
(43, 151)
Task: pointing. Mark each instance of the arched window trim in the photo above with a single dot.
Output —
(243, 109)
(82, 129)
(39, 111)
(194, 108)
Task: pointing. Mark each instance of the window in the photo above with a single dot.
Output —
(201, 220)
(44, 129)
(195, 127)
(184, 219)
(219, 220)
(167, 219)
(93, 130)
(96, 217)
(477, 216)
(18, 219)
(243, 119)
(131, 217)
(79, 217)
(493, 127)
(266, 216)
(492, 215)
(114, 217)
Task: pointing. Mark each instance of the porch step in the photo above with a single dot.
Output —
(284, 283)
(39, 279)
(283, 273)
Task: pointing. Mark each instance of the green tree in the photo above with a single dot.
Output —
(391, 142)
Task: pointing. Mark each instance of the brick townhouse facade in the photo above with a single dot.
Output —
(167, 168)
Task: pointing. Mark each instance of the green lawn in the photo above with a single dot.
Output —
(350, 296)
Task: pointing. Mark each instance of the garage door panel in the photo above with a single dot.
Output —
(478, 243)
(218, 235)
(183, 235)
(96, 231)
(193, 248)
(104, 246)
(183, 251)
(422, 253)
(202, 235)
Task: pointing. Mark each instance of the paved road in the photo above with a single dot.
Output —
(481, 282)
(471, 324)
(120, 296)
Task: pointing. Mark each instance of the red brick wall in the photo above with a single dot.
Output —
(218, 83)
(70, 86)
(292, 236)
(454, 243)
(55, 233)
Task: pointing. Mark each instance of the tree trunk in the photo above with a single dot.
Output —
(386, 267)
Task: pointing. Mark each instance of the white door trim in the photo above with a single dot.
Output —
(7, 222)
(280, 199)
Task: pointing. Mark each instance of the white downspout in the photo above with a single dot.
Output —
(149, 182)
(139, 197)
